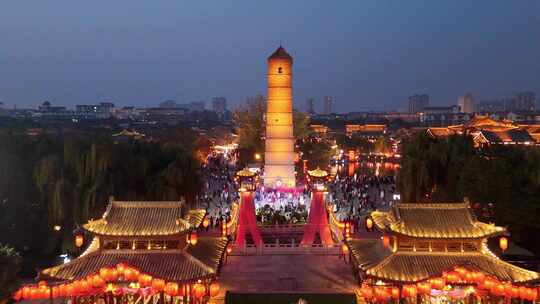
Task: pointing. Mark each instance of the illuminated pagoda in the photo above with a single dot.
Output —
(279, 152)
(138, 250)
(436, 252)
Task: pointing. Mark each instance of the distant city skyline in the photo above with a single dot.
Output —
(367, 56)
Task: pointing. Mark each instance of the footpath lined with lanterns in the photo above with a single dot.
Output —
(137, 252)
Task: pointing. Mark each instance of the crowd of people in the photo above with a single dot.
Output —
(352, 196)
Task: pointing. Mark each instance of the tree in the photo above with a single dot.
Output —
(250, 127)
(10, 265)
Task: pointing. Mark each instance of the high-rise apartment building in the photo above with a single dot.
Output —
(219, 104)
(466, 103)
(417, 103)
(310, 105)
(327, 105)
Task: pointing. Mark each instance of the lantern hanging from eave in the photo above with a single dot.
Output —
(214, 289)
(229, 248)
(199, 290)
(206, 222)
(171, 289)
(193, 238)
(78, 237)
(503, 243)
(369, 223)
(386, 240)
(345, 249)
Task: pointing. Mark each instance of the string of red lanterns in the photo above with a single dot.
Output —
(485, 284)
(103, 281)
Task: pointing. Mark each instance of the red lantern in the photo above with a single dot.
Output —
(498, 290)
(104, 273)
(452, 277)
(26, 292)
(79, 240)
(424, 287)
(130, 274)
(214, 289)
(171, 289)
(158, 284)
(120, 268)
(199, 290)
(503, 243)
(395, 293)
(437, 283)
(229, 248)
(369, 223)
(76, 287)
(522, 292)
(70, 290)
(97, 281)
(206, 222)
(84, 287)
(113, 275)
(479, 277)
(145, 280)
(344, 249)
(61, 290)
(386, 240)
(17, 296)
(193, 238)
(367, 292)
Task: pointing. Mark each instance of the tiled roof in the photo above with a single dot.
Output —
(318, 173)
(512, 135)
(246, 173)
(415, 266)
(140, 219)
(368, 252)
(280, 53)
(441, 132)
(197, 262)
(195, 217)
(435, 220)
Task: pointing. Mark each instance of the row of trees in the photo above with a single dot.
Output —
(450, 169)
(51, 184)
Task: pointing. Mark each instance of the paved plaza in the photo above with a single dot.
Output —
(287, 274)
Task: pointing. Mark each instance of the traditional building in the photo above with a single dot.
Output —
(488, 131)
(137, 250)
(367, 131)
(436, 251)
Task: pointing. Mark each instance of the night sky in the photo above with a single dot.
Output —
(368, 55)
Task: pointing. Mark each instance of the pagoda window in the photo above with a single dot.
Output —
(438, 246)
(175, 244)
(139, 245)
(454, 247)
(110, 244)
(405, 245)
(469, 246)
(156, 245)
(124, 245)
(422, 246)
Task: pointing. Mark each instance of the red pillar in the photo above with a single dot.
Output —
(247, 222)
(317, 221)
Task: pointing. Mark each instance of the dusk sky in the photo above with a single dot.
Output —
(368, 55)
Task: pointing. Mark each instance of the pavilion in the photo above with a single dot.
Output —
(436, 251)
(137, 250)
